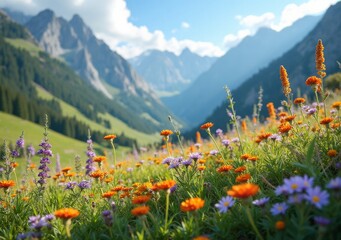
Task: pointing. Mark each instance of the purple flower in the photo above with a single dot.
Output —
(130, 169)
(172, 189)
(46, 153)
(167, 160)
(307, 182)
(214, 152)
(335, 184)
(225, 204)
(311, 111)
(317, 197)
(89, 167)
(187, 162)
(15, 153)
(37, 222)
(225, 142)
(195, 156)
(294, 184)
(275, 137)
(296, 198)
(278, 208)
(219, 132)
(235, 140)
(70, 185)
(175, 163)
(30, 150)
(107, 217)
(85, 184)
(322, 221)
(281, 190)
(20, 142)
(30, 235)
(261, 202)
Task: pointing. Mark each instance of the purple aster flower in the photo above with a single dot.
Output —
(89, 167)
(235, 140)
(296, 198)
(219, 132)
(261, 202)
(322, 221)
(15, 153)
(107, 217)
(130, 169)
(335, 184)
(20, 142)
(294, 184)
(305, 108)
(281, 190)
(195, 156)
(279, 208)
(225, 204)
(30, 150)
(214, 152)
(275, 137)
(37, 222)
(317, 197)
(175, 163)
(311, 111)
(197, 145)
(225, 142)
(307, 182)
(187, 162)
(30, 235)
(70, 185)
(85, 184)
(167, 160)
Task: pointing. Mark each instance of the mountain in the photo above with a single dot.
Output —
(255, 52)
(299, 62)
(16, 16)
(165, 71)
(74, 42)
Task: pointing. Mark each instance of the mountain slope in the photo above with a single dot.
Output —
(165, 71)
(299, 63)
(109, 73)
(238, 64)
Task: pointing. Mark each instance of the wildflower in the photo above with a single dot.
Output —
(141, 199)
(245, 156)
(332, 153)
(326, 121)
(294, 184)
(279, 208)
(91, 154)
(275, 137)
(107, 217)
(192, 204)
(97, 174)
(99, 159)
(187, 162)
(202, 237)
(225, 142)
(66, 213)
(244, 190)
(225, 204)
(206, 126)
(299, 100)
(167, 160)
(240, 169)
(84, 185)
(214, 152)
(335, 184)
(164, 185)
(166, 132)
(284, 127)
(201, 168)
(66, 169)
(280, 225)
(70, 185)
(243, 178)
(319, 59)
(219, 132)
(175, 163)
(108, 194)
(110, 137)
(7, 184)
(285, 81)
(38, 222)
(322, 221)
(244, 126)
(317, 197)
(336, 105)
(195, 156)
(224, 168)
(313, 81)
(139, 211)
(31, 151)
(261, 202)
(271, 110)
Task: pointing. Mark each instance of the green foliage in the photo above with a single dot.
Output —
(333, 82)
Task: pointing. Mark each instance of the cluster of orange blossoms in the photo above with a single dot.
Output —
(319, 59)
(249, 157)
(285, 81)
(192, 204)
(66, 213)
(6, 184)
(244, 190)
(271, 110)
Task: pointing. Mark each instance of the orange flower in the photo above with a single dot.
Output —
(244, 190)
(141, 199)
(282, 114)
(201, 168)
(289, 118)
(240, 169)
(66, 169)
(299, 100)
(109, 179)
(117, 188)
(66, 213)
(313, 81)
(108, 194)
(271, 110)
(192, 204)
(164, 185)
(253, 158)
(336, 105)
(201, 238)
(335, 125)
(326, 121)
(97, 174)
(166, 132)
(139, 211)
(245, 156)
(99, 159)
(224, 168)
(70, 174)
(110, 137)
(284, 127)
(244, 126)
(332, 153)
(280, 225)
(6, 184)
(206, 126)
(14, 164)
(319, 59)
(32, 166)
(198, 137)
(243, 178)
(285, 81)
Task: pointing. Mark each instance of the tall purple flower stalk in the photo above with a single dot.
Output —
(89, 168)
(20, 144)
(46, 153)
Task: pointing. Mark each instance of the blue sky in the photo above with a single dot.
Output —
(206, 27)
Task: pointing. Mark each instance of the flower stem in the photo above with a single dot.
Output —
(215, 143)
(249, 216)
(167, 208)
(113, 151)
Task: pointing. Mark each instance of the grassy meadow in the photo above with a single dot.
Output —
(279, 179)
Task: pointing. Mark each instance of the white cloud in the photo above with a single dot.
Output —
(185, 25)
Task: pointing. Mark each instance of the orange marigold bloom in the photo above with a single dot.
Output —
(326, 121)
(299, 100)
(253, 158)
(245, 156)
(263, 136)
(139, 211)
(192, 204)
(319, 57)
(290, 118)
(97, 174)
(110, 137)
(32, 166)
(332, 153)
(7, 184)
(198, 137)
(313, 80)
(285, 80)
(207, 125)
(141, 199)
(244, 190)
(224, 168)
(201, 168)
(244, 126)
(25, 199)
(14, 164)
(243, 178)
(66, 169)
(108, 194)
(335, 125)
(99, 159)
(336, 105)
(271, 110)
(201, 238)
(282, 114)
(280, 225)
(166, 132)
(117, 188)
(284, 127)
(240, 169)
(164, 185)
(109, 179)
(70, 174)
(66, 213)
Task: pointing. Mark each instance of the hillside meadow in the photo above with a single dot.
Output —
(279, 179)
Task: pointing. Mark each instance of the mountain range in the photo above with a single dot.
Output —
(206, 93)
(164, 71)
(299, 62)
